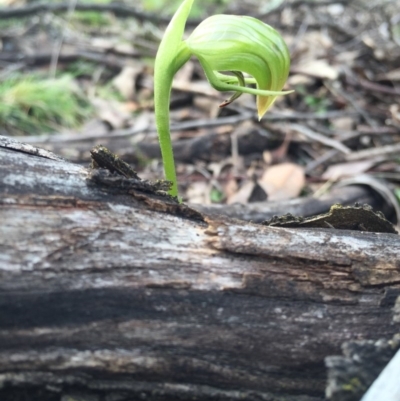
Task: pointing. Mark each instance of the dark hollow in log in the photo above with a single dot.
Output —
(109, 293)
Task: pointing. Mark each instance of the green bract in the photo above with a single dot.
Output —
(222, 43)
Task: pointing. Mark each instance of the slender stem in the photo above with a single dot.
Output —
(163, 76)
(172, 54)
(161, 105)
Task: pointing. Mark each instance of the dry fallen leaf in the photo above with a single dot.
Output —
(337, 171)
(393, 75)
(199, 192)
(126, 49)
(395, 112)
(278, 154)
(335, 9)
(283, 181)
(318, 68)
(94, 127)
(102, 43)
(125, 81)
(207, 105)
(342, 123)
(12, 2)
(313, 46)
(244, 193)
(347, 57)
(299, 79)
(197, 87)
(111, 112)
(230, 187)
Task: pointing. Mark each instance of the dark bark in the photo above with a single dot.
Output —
(116, 294)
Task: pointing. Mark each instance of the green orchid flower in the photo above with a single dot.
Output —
(222, 43)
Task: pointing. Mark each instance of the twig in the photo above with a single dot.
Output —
(343, 135)
(319, 138)
(373, 86)
(123, 133)
(209, 123)
(374, 152)
(336, 90)
(278, 115)
(186, 125)
(57, 48)
(329, 23)
(299, 3)
(309, 116)
(320, 160)
(320, 3)
(108, 60)
(363, 130)
(118, 9)
(301, 32)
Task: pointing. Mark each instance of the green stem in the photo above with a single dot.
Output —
(163, 77)
(161, 104)
(172, 54)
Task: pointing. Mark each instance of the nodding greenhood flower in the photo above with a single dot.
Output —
(222, 43)
(245, 44)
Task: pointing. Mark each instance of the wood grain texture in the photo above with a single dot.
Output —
(104, 294)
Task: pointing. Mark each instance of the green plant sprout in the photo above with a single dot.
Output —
(222, 43)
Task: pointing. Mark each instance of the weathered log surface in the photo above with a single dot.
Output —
(108, 292)
(76, 148)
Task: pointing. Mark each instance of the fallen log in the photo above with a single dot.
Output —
(112, 292)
